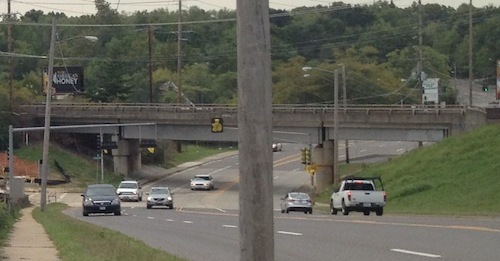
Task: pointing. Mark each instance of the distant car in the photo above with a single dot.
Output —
(160, 196)
(129, 190)
(296, 201)
(202, 182)
(277, 146)
(101, 198)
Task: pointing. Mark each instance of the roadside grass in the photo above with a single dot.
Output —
(457, 176)
(80, 241)
(7, 219)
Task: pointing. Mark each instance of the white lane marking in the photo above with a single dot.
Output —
(276, 177)
(187, 222)
(221, 210)
(361, 151)
(62, 196)
(289, 233)
(151, 218)
(415, 253)
(218, 170)
(399, 150)
(229, 226)
(169, 220)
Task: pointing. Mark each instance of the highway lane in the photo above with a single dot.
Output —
(206, 234)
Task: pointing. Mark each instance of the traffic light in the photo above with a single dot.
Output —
(217, 126)
(485, 88)
(303, 155)
(99, 143)
(308, 156)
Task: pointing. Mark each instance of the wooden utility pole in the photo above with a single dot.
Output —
(10, 62)
(344, 90)
(150, 66)
(255, 127)
(470, 54)
(179, 55)
(420, 66)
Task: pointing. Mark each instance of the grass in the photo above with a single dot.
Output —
(457, 176)
(77, 240)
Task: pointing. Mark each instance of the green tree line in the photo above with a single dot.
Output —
(377, 43)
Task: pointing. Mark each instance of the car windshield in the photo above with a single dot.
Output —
(128, 185)
(159, 191)
(101, 191)
(202, 178)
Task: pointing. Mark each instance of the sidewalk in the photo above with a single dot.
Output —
(29, 241)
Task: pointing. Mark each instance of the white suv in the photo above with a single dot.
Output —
(129, 190)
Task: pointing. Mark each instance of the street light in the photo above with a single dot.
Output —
(46, 133)
(335, 116)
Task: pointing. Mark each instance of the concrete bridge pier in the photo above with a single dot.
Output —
(323, 157)
(127, 157)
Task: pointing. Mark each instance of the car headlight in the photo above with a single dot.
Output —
(150, 198)
(169, 198)
(88, 202)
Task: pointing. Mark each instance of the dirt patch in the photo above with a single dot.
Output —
(25, 168)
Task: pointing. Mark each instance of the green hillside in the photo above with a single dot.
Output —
(458, 176)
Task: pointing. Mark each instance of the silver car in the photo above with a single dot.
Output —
(202, 182)
(297, 201)
(160, 196)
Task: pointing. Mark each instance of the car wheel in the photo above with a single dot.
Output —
(310, 211)
(148, 206)
(305, 212)
(344, 209)
(282, 211)
(366, 213)
(379, 212)
(140, 198)
(171, 206)
(333, 210)
(287, 211)
(85, 213)
(118, 213)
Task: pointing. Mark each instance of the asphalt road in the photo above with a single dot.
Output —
(204, 224)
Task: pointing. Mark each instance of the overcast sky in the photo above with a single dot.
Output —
(85, 7)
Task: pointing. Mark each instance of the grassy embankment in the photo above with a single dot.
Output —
(77, 240)
(458, 176)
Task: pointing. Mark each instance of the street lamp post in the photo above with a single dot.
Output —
(46, 133)
(335, 174)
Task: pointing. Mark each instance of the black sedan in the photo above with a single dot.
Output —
(101, 198)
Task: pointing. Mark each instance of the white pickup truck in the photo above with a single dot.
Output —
(358, 194)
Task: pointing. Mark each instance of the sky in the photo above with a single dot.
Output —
(86, 7)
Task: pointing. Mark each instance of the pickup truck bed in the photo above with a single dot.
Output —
(358, 194)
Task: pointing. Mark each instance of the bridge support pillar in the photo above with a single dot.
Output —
(127, 158)
(323, 157)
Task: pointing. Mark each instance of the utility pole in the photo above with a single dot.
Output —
(470, 54)
(46, 133)
(10, 62)
(420, 66)
(344, 90)
(336, 176)
(179, 55)
(255, 126)
(179, 67)
(150, 66)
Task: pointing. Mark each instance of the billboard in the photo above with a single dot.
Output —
(64, 80)
(498, 79)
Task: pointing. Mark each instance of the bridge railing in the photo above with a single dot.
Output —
(232, 108)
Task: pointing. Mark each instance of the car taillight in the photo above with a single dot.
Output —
(349, 194)
(385, 196)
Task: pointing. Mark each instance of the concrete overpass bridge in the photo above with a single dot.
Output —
(308, 124)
